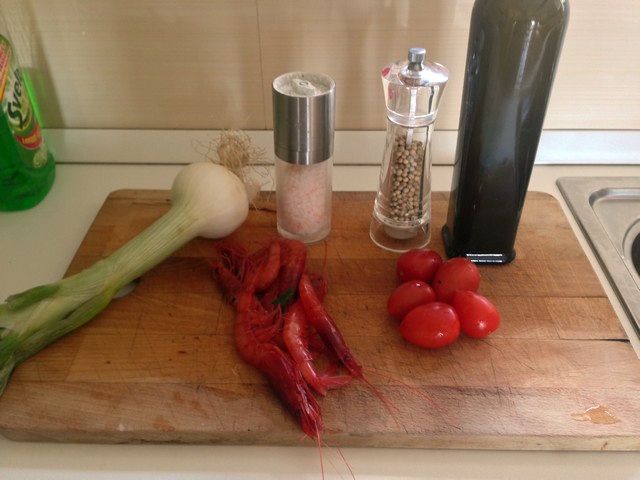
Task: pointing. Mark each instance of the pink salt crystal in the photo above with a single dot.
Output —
(304, 200)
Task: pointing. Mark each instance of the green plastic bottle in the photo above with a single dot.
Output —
(27, 168)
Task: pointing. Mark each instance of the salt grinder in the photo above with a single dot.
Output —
(402, 210)
(303, 119)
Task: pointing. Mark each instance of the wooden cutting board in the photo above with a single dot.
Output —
(159, 365)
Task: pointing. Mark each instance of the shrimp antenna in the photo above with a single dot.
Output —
(376, 391)
(344, 460)
(386, 375)
(388, 404)
(324, 260)
(319, 444)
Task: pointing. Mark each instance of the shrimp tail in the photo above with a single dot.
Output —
(331, 382)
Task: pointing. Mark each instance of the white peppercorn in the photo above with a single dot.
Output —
(406, 171)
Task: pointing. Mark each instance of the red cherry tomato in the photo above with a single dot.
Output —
(432, 325)
(418, 265)
(455, 274)
(478, 316)
(408, 296)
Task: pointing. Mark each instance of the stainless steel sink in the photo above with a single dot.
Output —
(608, 211)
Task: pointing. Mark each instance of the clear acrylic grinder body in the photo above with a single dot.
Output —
(402, 210)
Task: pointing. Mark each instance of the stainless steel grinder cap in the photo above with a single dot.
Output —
(303, 117)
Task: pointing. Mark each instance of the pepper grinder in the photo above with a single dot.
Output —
(402, 210)
(513, 52)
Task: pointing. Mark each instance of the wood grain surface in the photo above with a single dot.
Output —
(159, 365)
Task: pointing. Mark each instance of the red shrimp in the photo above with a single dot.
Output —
(254, 330)
(316, 344)
(319, 285)
(262, 266)
(295, 339)
(230, 283)
(293, 256)
(230, 270)
(284, 377)
(293, 263)
(326, 327)
(234, 257)
(269, 267)
(259, 255)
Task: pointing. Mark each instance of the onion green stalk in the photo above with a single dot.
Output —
(207, 200)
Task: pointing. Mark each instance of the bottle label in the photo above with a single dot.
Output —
(17, 110)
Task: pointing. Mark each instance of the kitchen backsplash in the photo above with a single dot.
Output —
(190, 64)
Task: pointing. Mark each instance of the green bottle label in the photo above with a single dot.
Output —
(16, 108)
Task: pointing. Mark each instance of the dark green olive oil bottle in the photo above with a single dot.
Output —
(513, 52)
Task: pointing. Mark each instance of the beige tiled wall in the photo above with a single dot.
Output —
(209, 63)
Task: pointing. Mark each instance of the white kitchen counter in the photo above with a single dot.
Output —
(37, 245)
